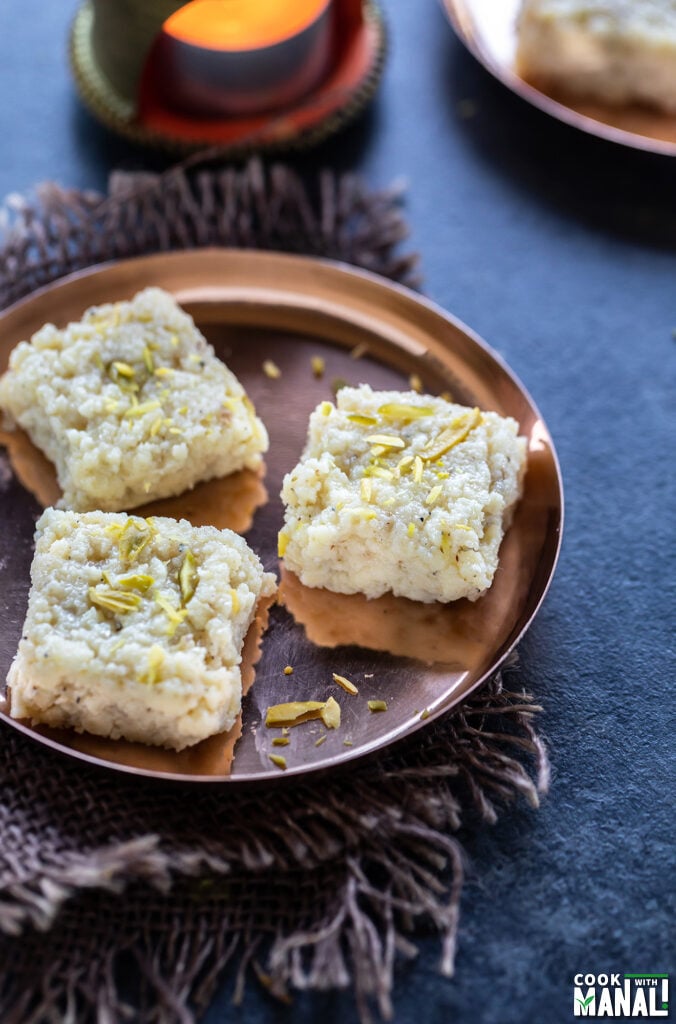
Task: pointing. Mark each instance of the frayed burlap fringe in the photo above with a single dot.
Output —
(124, 901)
(306, 887)
(59, 230)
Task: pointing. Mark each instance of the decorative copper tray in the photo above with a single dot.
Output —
(421, 659)
(488, 29)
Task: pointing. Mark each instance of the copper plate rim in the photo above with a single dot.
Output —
(335, 291)
(459, 13)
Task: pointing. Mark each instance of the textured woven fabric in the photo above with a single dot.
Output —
(102, 875)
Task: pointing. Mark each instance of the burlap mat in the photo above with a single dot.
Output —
(128, 901)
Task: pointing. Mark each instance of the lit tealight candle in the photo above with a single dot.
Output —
(236, 57)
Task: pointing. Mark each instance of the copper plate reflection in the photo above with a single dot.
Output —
(488, 29)
(257, 306)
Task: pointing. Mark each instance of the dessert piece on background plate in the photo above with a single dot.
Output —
(611, 51)
(135, 627)
(131, 405)
(403, 493)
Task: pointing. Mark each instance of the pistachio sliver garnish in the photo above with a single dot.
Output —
(134, 536)
(282, 543)
(386, 441)
(330, 714)
(155, 662)
(187, 577)
(377, 705)
(123, 369)
(297, 712)
(380, 472)
(271, 370)
(362, 421)
(294, 713)
(142, 408)
(345, 683)
(117, 601)
(451, 436)
(136, 581)
(402, 411)
(433, 495)
(148, 360)
(175, 615)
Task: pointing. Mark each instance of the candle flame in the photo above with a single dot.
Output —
(241, 24)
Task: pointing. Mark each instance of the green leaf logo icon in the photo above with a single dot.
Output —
(585, 1002)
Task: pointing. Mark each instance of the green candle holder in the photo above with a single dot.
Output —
(115, 49)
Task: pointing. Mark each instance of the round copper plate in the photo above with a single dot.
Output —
(421, 659)
(488, 29)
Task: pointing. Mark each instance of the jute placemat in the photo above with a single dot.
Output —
(123, 901)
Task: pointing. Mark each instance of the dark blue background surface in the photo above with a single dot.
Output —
(560, 250)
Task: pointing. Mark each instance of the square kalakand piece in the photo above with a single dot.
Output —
(403, 493)
(615, 52)
(135, 627)
(131, 405)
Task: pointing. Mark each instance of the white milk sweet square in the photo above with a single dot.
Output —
(135, 627)
(131, 405)
(612, 51)
(401, 492)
